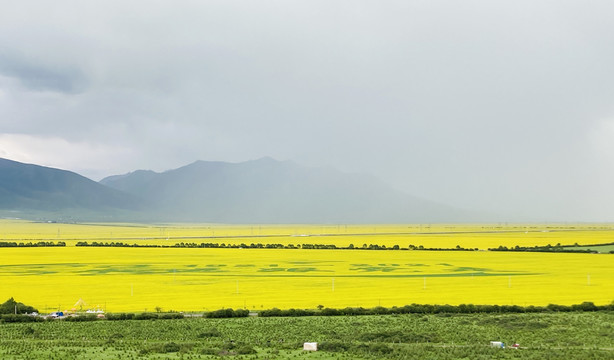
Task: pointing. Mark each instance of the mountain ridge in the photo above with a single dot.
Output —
(34, 187)
(267, 190)
(263, 190)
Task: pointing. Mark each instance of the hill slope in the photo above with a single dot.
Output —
(270, 191)
(27, 187)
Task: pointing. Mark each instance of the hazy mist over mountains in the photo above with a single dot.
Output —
(258, 191)
(500, 107)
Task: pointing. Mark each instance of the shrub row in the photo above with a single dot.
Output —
(270, 246)
(14, 318)
(31, 244)
(227, 313)
(348, 311)
(554, 248)
(118, 244)
(144, 316)
(436, 309)
(548, 248)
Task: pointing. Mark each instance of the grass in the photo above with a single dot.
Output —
(599, 248)
(444, 336)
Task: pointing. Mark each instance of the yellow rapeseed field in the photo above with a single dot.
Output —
(481, 236)
(184, 279)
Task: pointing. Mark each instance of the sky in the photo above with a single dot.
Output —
(504, 107)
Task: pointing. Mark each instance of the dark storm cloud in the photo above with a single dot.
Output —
(42, 77)
(500, 106)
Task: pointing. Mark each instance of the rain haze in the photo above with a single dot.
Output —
(503, 107)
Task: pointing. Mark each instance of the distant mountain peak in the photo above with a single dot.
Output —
(268, 190)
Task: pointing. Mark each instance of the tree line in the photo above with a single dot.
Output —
(12, 311)
(271, 246)
(551, 248)
(31, 244)
(436, 309)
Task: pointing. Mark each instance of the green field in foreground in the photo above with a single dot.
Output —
(443, 336)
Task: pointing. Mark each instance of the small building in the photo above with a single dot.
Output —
(310, 346)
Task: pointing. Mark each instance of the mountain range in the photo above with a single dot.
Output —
(256, 191)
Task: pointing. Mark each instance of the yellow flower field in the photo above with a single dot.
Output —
(184, 279)
(137, 279)
(481, 236)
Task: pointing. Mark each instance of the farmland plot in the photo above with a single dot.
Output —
(444, 336)
(184, 279)
(482, 236)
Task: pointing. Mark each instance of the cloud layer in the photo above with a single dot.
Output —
(495, 106)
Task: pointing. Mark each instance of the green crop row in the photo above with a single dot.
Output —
(572, 335)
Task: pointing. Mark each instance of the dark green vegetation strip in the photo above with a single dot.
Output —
(558, 248)
(32, 244)
(605, 248)
(581, 335)
(268, 246)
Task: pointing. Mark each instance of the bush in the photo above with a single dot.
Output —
(121, 316)
(270, 312)
(244, 350)
(212, 332)
(353, 311)
(88, 317)
(241, 313)
(170, 316)
(585, 306)
(333, 346)
(146, 316)
(330, 312)
(379, 310)
(380, 349)
(227, 313)
(170, 347)
(12, 318)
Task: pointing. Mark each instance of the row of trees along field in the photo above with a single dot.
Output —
(271, 246)
(31, 244)
(13, 311)
(547, 248)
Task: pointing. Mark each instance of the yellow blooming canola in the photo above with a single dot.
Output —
(482, 236)
(137, 279)
(197, 279)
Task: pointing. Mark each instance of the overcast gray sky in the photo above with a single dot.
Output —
(502, 106)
